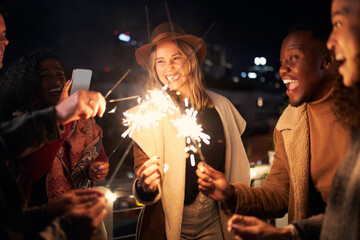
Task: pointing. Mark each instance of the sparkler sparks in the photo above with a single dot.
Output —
(188, 127)
(166, 167)
(108, 194)
(155, 106)
(192, 160)
(113, 110)
(158, 104)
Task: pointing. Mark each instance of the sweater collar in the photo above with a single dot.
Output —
(322, 105)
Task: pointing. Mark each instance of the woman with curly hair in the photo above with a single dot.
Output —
(21, 88)
(77, 160)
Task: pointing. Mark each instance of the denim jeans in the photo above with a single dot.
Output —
(201, 220)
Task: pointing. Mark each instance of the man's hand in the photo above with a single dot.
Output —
(71, 199)
(80, 105)
(253, 228)
(86, 217)
(83, 208)
(213, 183)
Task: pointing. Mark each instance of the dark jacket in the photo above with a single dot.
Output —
(19, 137)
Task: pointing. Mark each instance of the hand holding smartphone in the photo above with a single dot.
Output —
(81, 79)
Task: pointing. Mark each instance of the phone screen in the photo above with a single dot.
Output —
(81, 79)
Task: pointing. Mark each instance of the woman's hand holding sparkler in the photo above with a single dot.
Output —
(245, 227)
(148, 175)
(98, 170)
(213, 183)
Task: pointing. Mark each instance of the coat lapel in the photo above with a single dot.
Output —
(294, 125)
(163, 141)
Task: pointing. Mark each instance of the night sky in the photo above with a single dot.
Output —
(81, 31)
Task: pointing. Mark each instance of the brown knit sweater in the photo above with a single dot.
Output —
(286, 188)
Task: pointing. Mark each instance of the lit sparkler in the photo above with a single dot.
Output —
(156, 105)
(123, 99)
(108, 194)
(188, 127)
(116, 84)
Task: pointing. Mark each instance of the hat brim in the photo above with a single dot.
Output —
(142, 54)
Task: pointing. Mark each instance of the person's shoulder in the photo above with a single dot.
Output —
(212, 93)
(216, 97)
(291, 117)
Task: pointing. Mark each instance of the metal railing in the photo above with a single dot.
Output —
(121, 220)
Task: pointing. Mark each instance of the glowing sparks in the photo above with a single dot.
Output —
(160, 101)
(190, 148)
(110, 196)
(140, 120)
(166, 167)
(192, 160)
(186, 102)
(156, 105)
(188, 127)
(113, 110)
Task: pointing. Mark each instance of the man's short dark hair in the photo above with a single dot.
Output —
(320, 30)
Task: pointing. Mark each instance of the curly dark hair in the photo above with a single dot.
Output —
(21, 85)
(346, 108)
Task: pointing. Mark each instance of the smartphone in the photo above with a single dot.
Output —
(81, 79)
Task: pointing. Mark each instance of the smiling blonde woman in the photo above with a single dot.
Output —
(174, 206)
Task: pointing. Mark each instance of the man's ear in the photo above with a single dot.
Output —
(329, 60)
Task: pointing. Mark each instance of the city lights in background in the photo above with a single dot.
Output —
(260, 102)
(252, 75)
(260, 61)
(125, 37)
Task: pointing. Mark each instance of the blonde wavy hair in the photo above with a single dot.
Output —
(198, 97)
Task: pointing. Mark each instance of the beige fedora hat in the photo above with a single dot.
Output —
(163, 32)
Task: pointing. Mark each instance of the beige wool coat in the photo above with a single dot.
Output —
(286, 188)
(164, 142)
